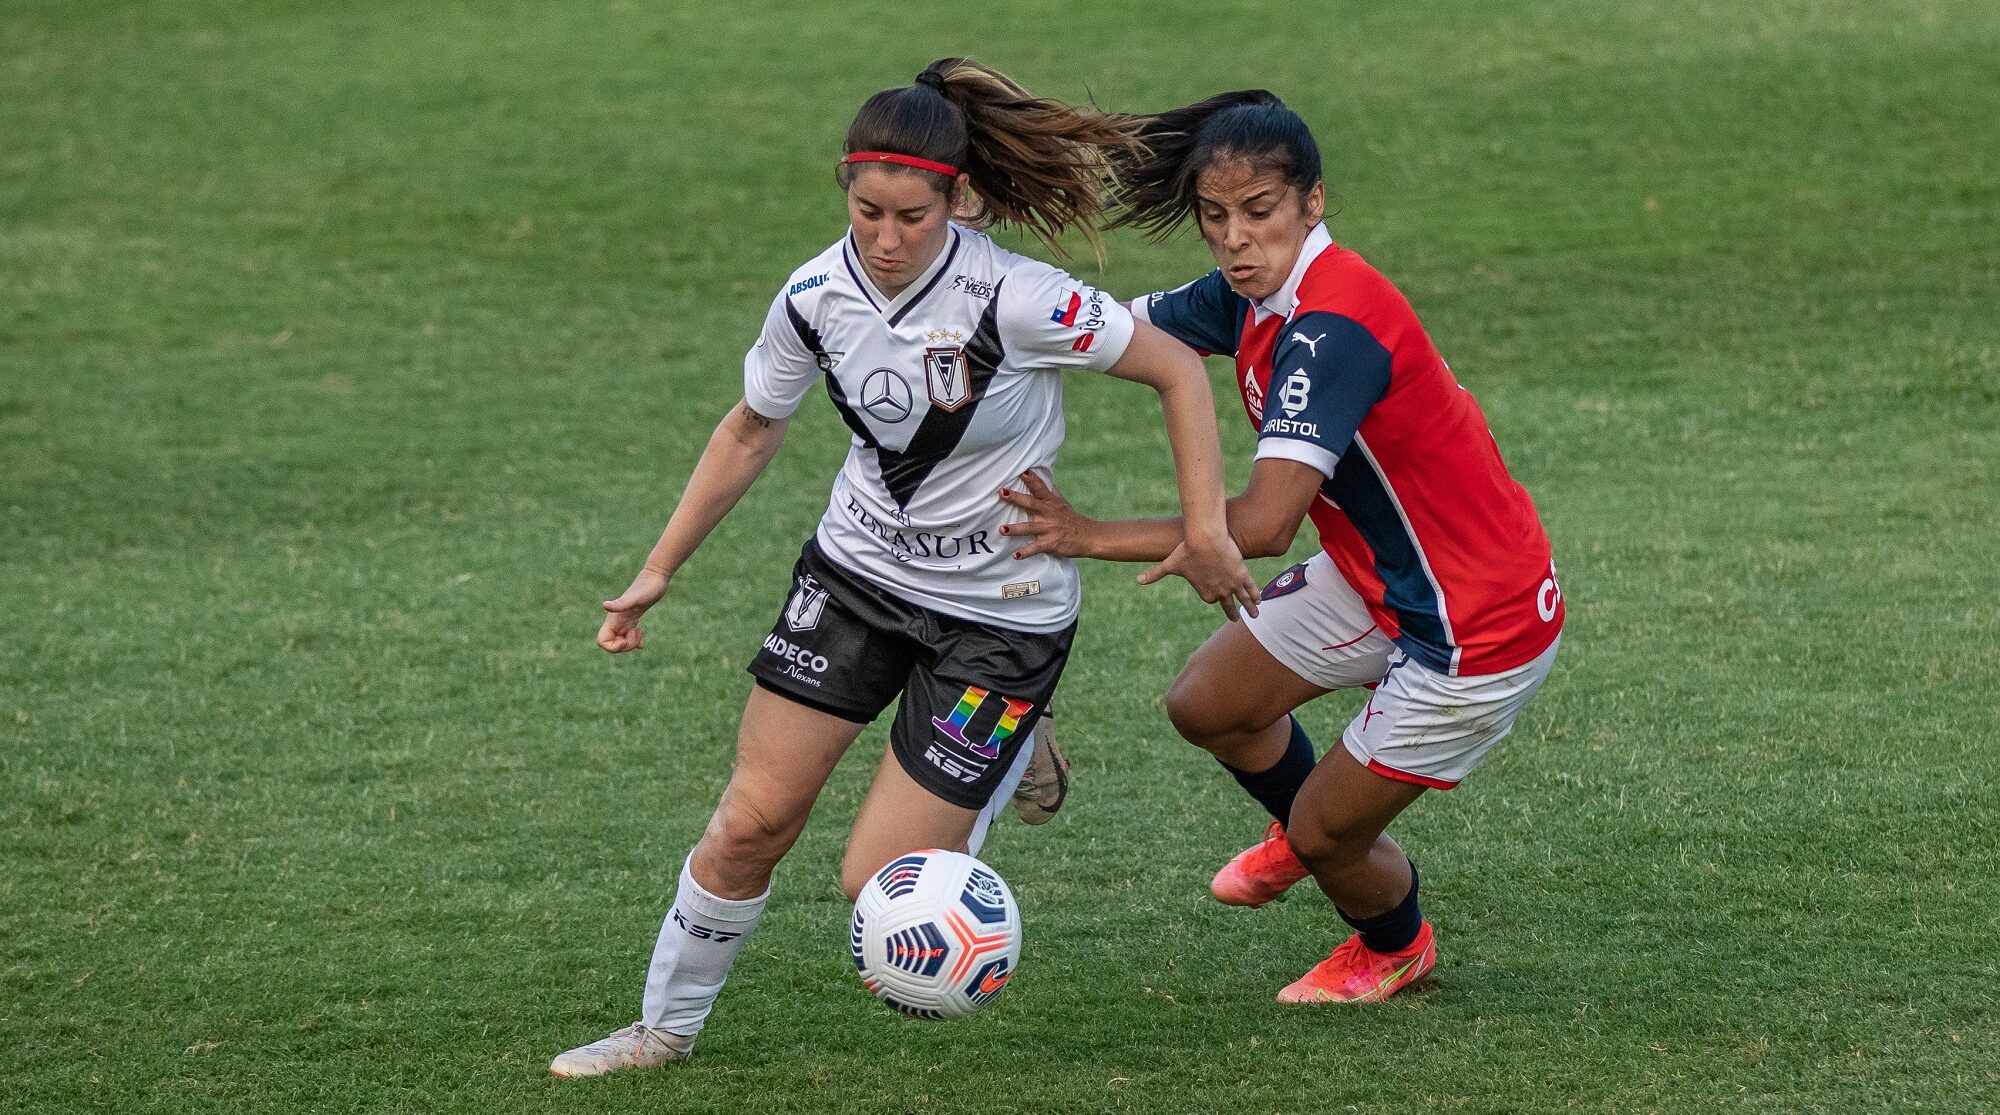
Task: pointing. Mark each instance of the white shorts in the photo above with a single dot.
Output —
(1419, 725)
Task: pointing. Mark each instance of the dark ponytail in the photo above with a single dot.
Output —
(1155, 182)
(1036, 163)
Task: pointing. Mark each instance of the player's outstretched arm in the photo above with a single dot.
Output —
(1203, 551)
(737, 452)
(1263, 520)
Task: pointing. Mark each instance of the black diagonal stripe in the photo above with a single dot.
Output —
(905, 471)
(809, 337)
(942, 271)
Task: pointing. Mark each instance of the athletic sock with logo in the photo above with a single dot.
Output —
(1277, 787)
(698, 942)
(1393, 931)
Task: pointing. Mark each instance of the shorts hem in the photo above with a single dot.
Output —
(851, 715)
(925, 776)
(1378, 767)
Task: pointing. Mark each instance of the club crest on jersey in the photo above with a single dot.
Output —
(949, 381)
(802, 612)
(828, 361)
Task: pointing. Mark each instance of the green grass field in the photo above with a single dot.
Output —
(350, 353)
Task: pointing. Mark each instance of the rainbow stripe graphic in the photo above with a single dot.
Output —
(969, 704)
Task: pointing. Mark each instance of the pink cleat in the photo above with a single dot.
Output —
(1356, 973)
(1260, 873)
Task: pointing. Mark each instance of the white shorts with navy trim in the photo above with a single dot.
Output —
(1419, 725)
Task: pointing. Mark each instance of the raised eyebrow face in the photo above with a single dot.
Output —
(1269, 195)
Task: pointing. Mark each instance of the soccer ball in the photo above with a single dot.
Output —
(936, 934)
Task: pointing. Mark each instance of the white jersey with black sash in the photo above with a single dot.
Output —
(952, 389)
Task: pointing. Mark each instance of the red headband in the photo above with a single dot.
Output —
(946, 169)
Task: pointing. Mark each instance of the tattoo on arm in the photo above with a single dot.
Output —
(756, 419)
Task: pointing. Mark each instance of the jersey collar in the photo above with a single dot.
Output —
(1285, 299)
(896, 308)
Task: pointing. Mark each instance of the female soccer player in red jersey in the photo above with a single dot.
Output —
(1434, 586)
(944, 354)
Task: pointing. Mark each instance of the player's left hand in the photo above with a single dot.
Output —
(1053, 526)
(1215, 568)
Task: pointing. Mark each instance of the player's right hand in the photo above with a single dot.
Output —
(1215, 568)
(620, 631)
(1052, 526)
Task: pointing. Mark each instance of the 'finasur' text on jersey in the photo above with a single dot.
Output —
(1417, 509)
(952, 390)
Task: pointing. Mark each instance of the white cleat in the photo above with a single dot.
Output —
(1046, 782)
(637, 1046)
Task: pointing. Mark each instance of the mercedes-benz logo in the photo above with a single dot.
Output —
(885, 396)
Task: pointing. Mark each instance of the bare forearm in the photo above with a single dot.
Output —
(1133, 539)
(1190, 416)
(1154, 539)
(736, 455)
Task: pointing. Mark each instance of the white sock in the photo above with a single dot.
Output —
(698, 942)
(1002, 795)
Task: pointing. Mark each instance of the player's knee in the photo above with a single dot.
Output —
(1205, 715)
(744, 836)
(1193, 710)
(852, 879)
(1327, 847)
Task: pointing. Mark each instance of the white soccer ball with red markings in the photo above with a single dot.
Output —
(936, 934)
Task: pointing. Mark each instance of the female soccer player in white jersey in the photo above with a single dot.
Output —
(944, 354)
(1434, 587)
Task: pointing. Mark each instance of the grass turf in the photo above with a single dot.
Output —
(349, 353)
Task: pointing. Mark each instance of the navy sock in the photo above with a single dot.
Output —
(1393, 931)
(1276, 788)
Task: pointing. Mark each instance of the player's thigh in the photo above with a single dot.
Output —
(1232, 684)
(785, 751)
(1318, 627)
(900, 815)
(968, 709)
(825, 671)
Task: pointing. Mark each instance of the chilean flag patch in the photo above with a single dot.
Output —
(1065, 313)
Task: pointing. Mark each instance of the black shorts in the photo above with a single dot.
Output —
(972, 693)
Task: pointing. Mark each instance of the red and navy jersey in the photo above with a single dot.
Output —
(1417, 509)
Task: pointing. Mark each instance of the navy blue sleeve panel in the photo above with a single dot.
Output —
(1205, 314)
(1327, 370)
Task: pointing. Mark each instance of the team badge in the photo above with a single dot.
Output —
(802, 612)
(1286, 583)
(945, 372)
(828, 361)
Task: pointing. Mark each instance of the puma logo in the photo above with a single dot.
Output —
(1311, 343)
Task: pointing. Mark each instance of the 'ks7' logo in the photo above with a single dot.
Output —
(702, 932)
